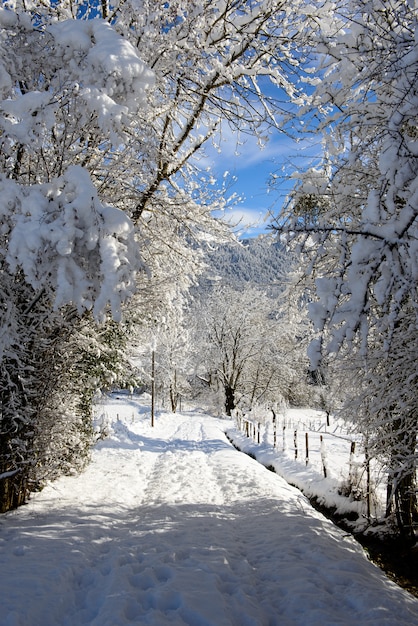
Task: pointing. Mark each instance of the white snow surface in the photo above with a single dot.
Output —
(172, 525)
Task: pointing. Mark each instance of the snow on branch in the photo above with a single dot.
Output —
(64, 238)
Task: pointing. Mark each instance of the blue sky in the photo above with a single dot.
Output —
(251, 168)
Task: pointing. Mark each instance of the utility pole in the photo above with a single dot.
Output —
(152, 387)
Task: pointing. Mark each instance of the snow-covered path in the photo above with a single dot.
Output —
(172, 525)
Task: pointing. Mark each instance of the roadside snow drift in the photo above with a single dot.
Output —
(171, 525)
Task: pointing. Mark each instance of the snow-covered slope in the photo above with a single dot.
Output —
(260, 261)
(171, 525)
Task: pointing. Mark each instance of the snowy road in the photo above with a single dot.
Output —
(171, 525)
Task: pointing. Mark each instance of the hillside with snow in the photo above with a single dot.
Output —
(172, 525)
(260, 261)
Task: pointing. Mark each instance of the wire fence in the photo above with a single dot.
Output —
(319, 443)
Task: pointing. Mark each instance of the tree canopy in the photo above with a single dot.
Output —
(354, 214)
(104, 113)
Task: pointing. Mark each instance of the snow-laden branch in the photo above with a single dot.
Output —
(63, 238)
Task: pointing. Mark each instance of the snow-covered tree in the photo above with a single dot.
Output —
(165, 340)
(173, 355)
(104, 110)
(356, 215)
(246, 349)
(59, 125)
(45, 412)
(64, 249)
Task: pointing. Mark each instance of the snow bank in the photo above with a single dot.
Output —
(171, 525)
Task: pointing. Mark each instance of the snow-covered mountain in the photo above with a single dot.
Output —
(260, 261)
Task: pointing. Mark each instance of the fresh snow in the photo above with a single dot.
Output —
(172, 525)
(329, 447)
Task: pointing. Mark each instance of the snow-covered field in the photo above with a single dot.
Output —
(171, 525)
(324, 463)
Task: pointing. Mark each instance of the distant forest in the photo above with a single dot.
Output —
(260, 261)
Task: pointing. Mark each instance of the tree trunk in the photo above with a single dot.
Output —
(401, 488)
(16, 439)
(14, 490)
(153, 388)
(406, 503)
(174, 396)
(229, 400)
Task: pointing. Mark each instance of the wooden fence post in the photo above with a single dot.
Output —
(274, 430)
(368, 482)
(295, 442)
(351, 462)
(307, 448)
(324, 466)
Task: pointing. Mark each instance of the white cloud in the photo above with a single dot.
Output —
(245, 220)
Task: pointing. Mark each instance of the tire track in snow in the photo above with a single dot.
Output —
(174, 526)
(154, 575)
(187, 457)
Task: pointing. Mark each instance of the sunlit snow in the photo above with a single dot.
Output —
(172, 525)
